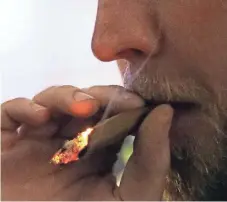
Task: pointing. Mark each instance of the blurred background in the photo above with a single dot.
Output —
(48, 42)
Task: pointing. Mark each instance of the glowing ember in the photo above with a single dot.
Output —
(71, 149)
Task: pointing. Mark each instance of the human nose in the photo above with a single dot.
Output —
(125, 29)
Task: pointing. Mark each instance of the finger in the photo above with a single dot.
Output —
(30, 157)
(146, 171)
(117, 97)
(26, 167)
(21, 110)
(46, 130)
(76, 125)
(8, 140)
(69, 100)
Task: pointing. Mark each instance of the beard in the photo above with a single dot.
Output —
(198, 134)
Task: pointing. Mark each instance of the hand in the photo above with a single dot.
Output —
(27, 173)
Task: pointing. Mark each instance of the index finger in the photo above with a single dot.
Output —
(86, 102)
(68, 100)
(116, 98)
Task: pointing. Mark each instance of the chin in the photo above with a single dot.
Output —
(198, 156)
(197, 136)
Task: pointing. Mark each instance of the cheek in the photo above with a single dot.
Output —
(193, 26)
(195, 31)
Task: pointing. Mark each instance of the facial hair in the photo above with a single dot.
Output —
(199, 154)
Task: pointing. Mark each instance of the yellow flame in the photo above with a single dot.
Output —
(87, 132)
(72, 148)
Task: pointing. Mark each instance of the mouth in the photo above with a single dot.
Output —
(177, 105)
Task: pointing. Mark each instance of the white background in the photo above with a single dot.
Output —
(47, 42)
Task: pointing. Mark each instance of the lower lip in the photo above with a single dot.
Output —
(176, 105)
(184, 106)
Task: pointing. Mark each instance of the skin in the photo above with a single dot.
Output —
(180, 50)
(45, 122)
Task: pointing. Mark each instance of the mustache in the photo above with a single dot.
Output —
(158, 87)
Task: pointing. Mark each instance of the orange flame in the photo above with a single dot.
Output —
(71, 149)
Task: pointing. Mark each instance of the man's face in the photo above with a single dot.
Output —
(175, 51)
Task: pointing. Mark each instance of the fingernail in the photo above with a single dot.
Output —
(37, 107)
(83, 108)
(80, 96)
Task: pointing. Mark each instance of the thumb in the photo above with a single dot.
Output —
(145, 174)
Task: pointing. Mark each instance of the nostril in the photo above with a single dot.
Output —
(138, 52)
(129, 53)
